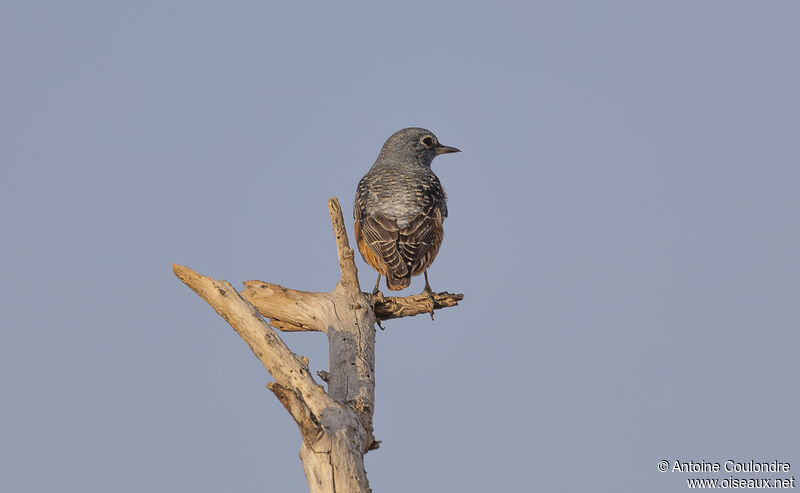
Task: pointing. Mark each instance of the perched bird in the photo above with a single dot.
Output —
(399, 208)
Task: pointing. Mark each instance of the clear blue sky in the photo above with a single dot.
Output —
(623, 224)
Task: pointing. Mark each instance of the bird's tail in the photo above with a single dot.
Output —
(396, 283)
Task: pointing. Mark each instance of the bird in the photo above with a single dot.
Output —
(399, 209)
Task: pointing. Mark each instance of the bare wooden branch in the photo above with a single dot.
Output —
(284, 366)
(351, 357)
(262, 296)
(347, 264)
(310, 428)
(396, 307)
(291, 307)
(286, 327)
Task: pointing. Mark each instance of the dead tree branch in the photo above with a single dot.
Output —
(335, 425)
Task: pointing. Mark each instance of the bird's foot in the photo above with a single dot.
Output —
(429, 292)
(377, 297)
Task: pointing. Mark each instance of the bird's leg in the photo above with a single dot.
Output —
(377, 286)
(377, 296)
(427, 289)
(429, 292)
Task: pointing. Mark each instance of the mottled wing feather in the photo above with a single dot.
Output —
(420, 241)
(381, 233)
(366, 252)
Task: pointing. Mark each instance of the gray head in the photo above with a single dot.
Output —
(415, 144)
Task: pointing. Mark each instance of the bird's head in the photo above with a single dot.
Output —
(416, 144)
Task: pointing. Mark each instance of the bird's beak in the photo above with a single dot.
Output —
(440, 149)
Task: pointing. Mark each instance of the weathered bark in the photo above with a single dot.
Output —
(335, 426)
(263, 297)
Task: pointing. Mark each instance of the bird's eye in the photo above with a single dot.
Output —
(427, 141)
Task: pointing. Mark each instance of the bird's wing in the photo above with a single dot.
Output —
(381, 233)
(419, 242)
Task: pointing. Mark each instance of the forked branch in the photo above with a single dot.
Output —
(336, 425)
